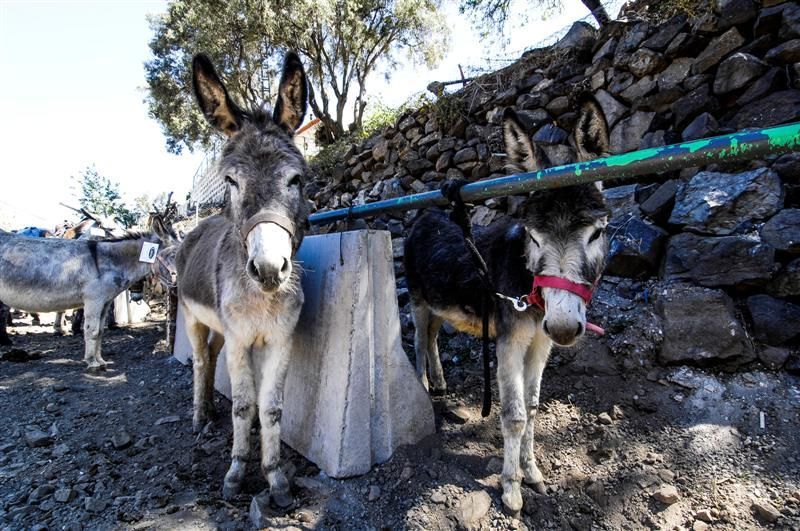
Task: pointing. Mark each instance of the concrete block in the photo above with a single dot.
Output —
(127, 311)
(351, 395)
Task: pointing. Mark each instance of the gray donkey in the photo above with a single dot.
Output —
(52, 275)
(237, 283)
(556, 251)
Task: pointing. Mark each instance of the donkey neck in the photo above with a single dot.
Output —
(124, 254)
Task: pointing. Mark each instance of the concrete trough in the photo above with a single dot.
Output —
(352, 396)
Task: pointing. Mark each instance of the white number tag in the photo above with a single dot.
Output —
(149, 251)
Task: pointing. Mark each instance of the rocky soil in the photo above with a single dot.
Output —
(621, 448)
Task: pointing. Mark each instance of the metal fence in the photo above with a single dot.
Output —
(739, 146)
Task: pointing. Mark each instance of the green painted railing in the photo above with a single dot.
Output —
(727, 148)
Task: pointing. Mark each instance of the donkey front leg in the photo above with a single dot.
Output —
(270, 410)
(510, 357)
(243, 411)
(93, 318)
(535, 361)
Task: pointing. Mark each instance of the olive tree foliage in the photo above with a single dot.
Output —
(494, 13)
(342, 42)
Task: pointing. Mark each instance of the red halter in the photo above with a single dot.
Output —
(534, 298)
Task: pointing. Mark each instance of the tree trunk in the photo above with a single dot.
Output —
(598, 11)
(330, 130)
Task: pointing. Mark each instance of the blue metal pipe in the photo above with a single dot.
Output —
(739, 146)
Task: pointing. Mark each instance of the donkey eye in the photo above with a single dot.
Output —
(230, 181)
(596, 234)
(295, 181)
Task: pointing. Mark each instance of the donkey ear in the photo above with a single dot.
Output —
(213, 98)
(292, 94)
(523, 155)
(591, 131)
(164, 232)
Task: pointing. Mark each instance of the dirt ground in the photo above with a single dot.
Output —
(115, 450)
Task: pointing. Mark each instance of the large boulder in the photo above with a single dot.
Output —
(717, 49)
(738, 71)
(703, 126)
(735, 12)
(621, 200)
(769, 21)
(788, 167)
(718, 261)
(787, 282)
(645, 61)
(782, 231)
(790, 24)
(664, 35)
(777, 108)
(697, 101)
(580, 36)
(675, 73)
(700, 326)
(661, 202)
(721, 203)
(628, 133)
(773, 80)
(775, 321)
(785, 53)
(612, 109)
(635, 247)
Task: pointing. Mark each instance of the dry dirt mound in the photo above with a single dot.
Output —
(673, 448)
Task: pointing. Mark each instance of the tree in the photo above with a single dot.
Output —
(100, 195)
(495, 12)
(342, 41)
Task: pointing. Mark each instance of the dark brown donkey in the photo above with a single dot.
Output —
(559, 240)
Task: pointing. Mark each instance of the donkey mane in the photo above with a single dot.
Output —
(129, 235)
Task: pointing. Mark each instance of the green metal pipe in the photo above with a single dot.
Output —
(727, 148)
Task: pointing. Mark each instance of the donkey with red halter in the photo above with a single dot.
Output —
(236, 281)
(555, 253)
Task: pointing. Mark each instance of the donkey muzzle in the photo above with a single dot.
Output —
(269, 260)
(565, 316)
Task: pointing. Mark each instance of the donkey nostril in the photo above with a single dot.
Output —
(285, 267)
(544, 327)
(580, 330)
(252, 269)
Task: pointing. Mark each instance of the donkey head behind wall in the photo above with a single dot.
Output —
(263, 170)
(565, 226)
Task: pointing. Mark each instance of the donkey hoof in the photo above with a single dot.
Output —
(230, 490)
(512, 499)
(538, 486)
(438, 392)
(282, 499)
(96, 367)
(534, 478)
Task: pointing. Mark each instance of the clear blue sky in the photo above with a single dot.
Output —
(71, 94)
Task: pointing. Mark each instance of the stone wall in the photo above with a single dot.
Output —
(704, 263)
